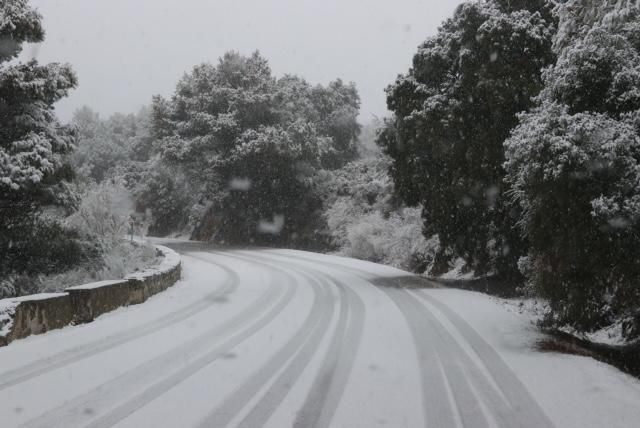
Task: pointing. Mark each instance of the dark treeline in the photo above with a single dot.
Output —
(518, 129)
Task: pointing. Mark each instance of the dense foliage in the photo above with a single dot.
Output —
(453, 111)
(107, 146)
(574, 165)
(248, 144)
(365, 220)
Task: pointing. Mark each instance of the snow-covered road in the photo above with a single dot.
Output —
(282, 338)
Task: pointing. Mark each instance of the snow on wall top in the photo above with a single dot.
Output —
(34, 297)
(170, 261)
(94, 285)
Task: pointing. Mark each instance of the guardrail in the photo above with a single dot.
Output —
(24, 316)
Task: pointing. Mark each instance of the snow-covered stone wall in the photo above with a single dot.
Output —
(23, 316)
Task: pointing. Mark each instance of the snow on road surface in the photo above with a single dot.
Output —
(281, 338)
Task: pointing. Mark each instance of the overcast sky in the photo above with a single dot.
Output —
(125, 51)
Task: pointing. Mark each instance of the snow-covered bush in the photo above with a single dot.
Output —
(364, 221)
(395, 241)
(42, 245)
(104, 213)
(357, 189)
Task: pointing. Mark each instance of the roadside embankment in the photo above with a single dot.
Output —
(23, 316)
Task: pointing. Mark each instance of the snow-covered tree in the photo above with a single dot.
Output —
(106, 147)
(248, 144)
(33, 144)
(578, 17)
(574, 167)
(164, 192)
(453, 111)
(32, 141)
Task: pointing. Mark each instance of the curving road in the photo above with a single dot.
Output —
(277, 338)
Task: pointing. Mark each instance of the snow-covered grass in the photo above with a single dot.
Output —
(457, 271)
(170, 259)
(124, 259)
(104, 215)
(610, 335)
(536, 309)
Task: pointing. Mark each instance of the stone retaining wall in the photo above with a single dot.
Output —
(39, 313)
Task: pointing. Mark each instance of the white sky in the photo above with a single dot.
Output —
(125, 51)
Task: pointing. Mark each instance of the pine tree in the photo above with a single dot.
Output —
(33, 144)
(32, 140)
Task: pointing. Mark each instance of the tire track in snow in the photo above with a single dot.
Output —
(294, 356)
(220, 339)
(329, 385)
(439, 373)
(73, 355)
(522, 411)
(478, 403)
(132, 405)
(277, 392)
(520, 400)
(437, 408)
